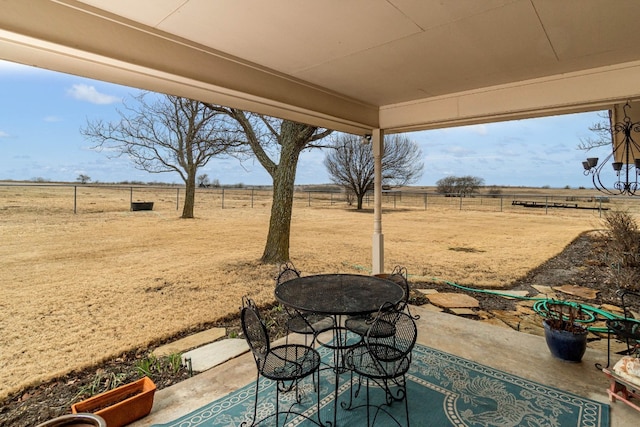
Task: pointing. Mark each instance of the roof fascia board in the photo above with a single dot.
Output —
(588, 90)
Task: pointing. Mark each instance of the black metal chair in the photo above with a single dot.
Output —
(361, 324)
(286, 364)
(626, 329)
(300, 322)
(384, 360)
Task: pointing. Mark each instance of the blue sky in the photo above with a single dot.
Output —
(41, 114)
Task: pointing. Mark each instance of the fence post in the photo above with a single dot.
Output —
(75, 199)
(460, 201)
(501, 200)
(394, 200)
(600, 208)
(309, 197)
(331, 196)
(222, 197)
(130, 197)
(425, 201)
(546, 205)
(177, 198)
(252, 190)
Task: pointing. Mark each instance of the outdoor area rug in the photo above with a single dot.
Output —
(443, 390)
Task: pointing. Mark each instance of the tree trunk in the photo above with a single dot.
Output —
(360, 197)
(276, 249)
(190, 194)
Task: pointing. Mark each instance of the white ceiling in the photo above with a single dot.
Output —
(353, 64)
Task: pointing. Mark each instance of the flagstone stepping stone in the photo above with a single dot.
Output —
(427, 291)
(453, 300)
(431, 307)
(612, 309)
(526, 303)
(509, 293)
(524, 309)
(507, 317)
(464, 312)
(578, 291)
(189, 342)
(210, 355)
(545, 290)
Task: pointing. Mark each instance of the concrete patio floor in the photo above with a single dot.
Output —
(514, 352)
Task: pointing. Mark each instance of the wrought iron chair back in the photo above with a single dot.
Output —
(287, 271)
(384, 359)
(625, 329)
(400, 275)
(285, 364)
(255, 332)
(394, 347)
(628, 329)
(305, 323)
(362, 324)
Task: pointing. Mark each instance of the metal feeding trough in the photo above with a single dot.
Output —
(141, 206)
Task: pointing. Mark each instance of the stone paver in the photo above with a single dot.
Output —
(427, 291)
(510, 293)
(210, 355)
(452, 300)
(545, 290)
(463, 312)
(612, 309)
(192, 341)
(431, 307)
(578, 291)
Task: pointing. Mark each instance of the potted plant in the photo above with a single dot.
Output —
(121, 405)
(565, 336)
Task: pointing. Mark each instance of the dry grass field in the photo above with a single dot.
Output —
(78, 288)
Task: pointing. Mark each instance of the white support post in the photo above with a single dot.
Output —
(377, 144)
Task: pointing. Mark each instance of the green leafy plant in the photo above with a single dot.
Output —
(152, 364)
(101, 382)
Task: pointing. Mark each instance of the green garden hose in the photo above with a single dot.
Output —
(540, 306)
(590, 313)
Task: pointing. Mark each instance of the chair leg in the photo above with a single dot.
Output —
(255, 405)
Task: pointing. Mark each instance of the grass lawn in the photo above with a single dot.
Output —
(77, 289)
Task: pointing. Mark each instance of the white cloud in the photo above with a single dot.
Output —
(4, 134)
(52, 119)
(88, 93)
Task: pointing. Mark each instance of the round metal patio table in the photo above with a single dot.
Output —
(338, 295)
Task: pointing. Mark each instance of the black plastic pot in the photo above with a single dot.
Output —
(566, 345)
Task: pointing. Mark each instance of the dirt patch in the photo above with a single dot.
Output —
(580, 263)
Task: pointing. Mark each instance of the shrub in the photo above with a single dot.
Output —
(494, 191)
(623, 248)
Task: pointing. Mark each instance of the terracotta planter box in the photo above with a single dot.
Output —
(141, 206)
(122, 405)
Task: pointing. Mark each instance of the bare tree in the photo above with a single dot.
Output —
(203, 180)
(168, 134)
(83, 179)
(277, 145)
(602, 134)
(459, 186)
(350, 164)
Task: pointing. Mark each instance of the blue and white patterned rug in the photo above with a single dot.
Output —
(443, 390)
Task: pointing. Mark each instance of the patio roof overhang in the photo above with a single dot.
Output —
(358, 66)
(353, 66)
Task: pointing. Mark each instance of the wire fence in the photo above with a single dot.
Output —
(52, 198)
